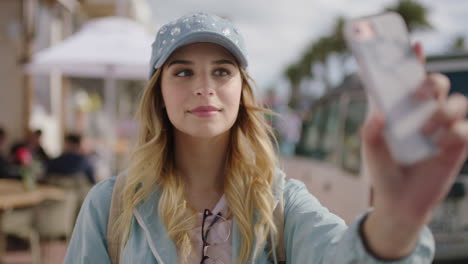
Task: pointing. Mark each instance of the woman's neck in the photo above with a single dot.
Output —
(201, 162)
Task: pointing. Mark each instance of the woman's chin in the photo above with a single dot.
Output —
(206, 132)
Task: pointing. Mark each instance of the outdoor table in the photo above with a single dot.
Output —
(13, 195)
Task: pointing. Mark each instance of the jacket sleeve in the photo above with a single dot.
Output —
(88, 242)
(312, 234)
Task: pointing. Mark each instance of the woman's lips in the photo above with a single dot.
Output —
(205, 111)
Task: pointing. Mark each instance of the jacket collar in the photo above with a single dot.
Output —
(157, 234)
(278, 184)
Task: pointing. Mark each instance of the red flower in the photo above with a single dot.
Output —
(23, 155)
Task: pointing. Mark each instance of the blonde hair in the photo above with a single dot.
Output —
(249, 171)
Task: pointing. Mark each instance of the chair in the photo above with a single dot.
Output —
(73, 182)
(56, 219)
(20, 223)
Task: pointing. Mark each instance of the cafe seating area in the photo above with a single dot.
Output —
(42, 218)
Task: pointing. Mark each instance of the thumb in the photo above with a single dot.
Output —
(376, 151)
(418, 50)
(372, 130)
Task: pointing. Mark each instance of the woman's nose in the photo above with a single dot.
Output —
(205, 87)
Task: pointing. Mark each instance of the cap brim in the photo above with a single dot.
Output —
(200, 37)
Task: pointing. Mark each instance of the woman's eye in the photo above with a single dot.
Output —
(221, 72)
(184, 73)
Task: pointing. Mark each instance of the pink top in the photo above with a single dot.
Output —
(219, 237)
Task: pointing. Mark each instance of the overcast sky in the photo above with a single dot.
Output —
(277, 31)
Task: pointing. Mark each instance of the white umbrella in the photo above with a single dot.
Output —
(110, 48)
(113, 44)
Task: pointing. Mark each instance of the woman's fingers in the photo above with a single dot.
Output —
(436, 86)
(455, 108)
(455, 135)
(418, 49)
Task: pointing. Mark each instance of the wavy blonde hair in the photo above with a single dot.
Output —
(250, 166)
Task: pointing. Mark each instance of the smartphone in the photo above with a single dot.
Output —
(391, 72)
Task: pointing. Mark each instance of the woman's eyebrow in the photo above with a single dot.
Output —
(224, 61)
(179, 62)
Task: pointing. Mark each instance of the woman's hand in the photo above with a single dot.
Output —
(405, 196)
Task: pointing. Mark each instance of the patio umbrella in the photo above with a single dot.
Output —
(111, 48)
(111, 45)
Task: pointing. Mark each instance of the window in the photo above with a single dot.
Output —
(329, 136)
(351, 152)
(319, 135)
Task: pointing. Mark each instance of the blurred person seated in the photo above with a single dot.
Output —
(21, 157)
(33, 142)
(4, 164)
(40, 158)
(74, 172)
(9, 164)
(72, 161)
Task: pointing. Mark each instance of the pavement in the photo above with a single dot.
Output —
(52, 253)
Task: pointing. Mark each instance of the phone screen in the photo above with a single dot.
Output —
(391, 73)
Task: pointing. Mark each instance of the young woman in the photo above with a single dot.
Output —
(204, 183)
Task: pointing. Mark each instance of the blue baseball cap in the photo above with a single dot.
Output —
(195, 28)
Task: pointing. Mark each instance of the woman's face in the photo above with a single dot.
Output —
(201, 87)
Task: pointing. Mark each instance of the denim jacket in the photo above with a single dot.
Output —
(312, 234)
